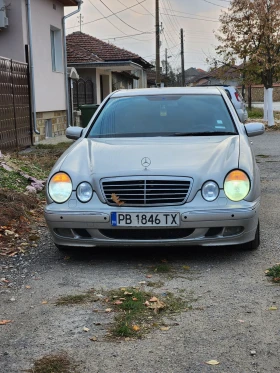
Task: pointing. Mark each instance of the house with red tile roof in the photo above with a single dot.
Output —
(105, 65)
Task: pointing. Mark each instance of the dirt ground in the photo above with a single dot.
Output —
(230, 320)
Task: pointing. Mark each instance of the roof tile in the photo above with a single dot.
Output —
(83, 48)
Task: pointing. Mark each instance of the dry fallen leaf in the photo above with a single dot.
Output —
(94, 339)
(117, 302)
(85, 329)
(122, 299)
(273, 308)
(165, 328)
(212, 362)
(266, 271)
(4, 322)
(116, 199)
(28, 287)
(136, 328)
(44, 302)
(123, 289)
(142, 282)
(241, 320)
(134, 298)
(153, 299)
(127, 339)
(155, 304)
(149, 276)
(127, 293)
(146, 303)
(108, 310)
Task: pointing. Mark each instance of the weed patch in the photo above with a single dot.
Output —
(69, 300)
(255, 112)
(162, 268)
(59, 363)
(19, 210)
(263, 155)
(139, 311)
(274, 273)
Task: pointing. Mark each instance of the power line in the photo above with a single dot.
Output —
(115, 14)
(129, 36)
(206, 1)
(200, 19)
(145, 8)
(109, 20)
(133, 10)
(104, 17)
(192, 14)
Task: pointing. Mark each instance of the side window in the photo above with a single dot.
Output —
(56, 49)
(228, 93)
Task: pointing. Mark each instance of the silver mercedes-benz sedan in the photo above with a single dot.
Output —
(169, 166)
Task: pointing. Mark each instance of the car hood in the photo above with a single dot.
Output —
(201, 158)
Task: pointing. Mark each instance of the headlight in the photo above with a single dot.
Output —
(210, 191)
(236, 185)
(60, 187)
(84, 192)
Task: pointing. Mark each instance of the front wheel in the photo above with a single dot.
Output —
(253, 245)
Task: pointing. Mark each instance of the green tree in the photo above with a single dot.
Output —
(251, 30)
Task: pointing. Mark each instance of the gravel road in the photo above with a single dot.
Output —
(231, 321)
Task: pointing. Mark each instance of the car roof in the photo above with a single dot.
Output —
(167, 91)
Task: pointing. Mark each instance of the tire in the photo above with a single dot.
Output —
(253, 245)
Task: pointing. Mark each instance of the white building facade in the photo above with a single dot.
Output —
(48, 57)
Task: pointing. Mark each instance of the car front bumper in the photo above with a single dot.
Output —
(218, 226)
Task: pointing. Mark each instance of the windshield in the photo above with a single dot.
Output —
(164, 115)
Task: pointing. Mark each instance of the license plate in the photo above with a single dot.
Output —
(145, 219)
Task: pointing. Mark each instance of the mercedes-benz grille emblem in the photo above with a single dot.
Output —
(146, 162)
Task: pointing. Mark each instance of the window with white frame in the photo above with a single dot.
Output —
(56, 49)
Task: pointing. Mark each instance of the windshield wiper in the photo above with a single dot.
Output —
(213, 133)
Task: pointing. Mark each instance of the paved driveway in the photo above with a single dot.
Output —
(230, 319)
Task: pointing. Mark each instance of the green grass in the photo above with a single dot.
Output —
(255, 113)
(134, 318)
(263, 155)
(69, 300)
(59, 363)
(12, 180)
(162, 268)
(274, 272)
(60, 146)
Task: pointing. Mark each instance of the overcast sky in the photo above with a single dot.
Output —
(139, 19)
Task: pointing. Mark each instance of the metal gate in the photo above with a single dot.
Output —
(83, 92)
(15, 118)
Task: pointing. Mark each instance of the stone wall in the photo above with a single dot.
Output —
(258, 93)
(58, 124)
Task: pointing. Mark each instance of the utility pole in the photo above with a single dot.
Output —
(182, 58)
(157, 45)
(166, 67)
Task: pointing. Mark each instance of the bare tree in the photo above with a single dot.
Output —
(250, 30)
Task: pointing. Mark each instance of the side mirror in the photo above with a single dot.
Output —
(254, 129)
(74, 133)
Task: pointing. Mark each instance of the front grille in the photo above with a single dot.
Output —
(147, 234)
(139, 191)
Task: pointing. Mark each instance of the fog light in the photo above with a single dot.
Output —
(232, 231)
